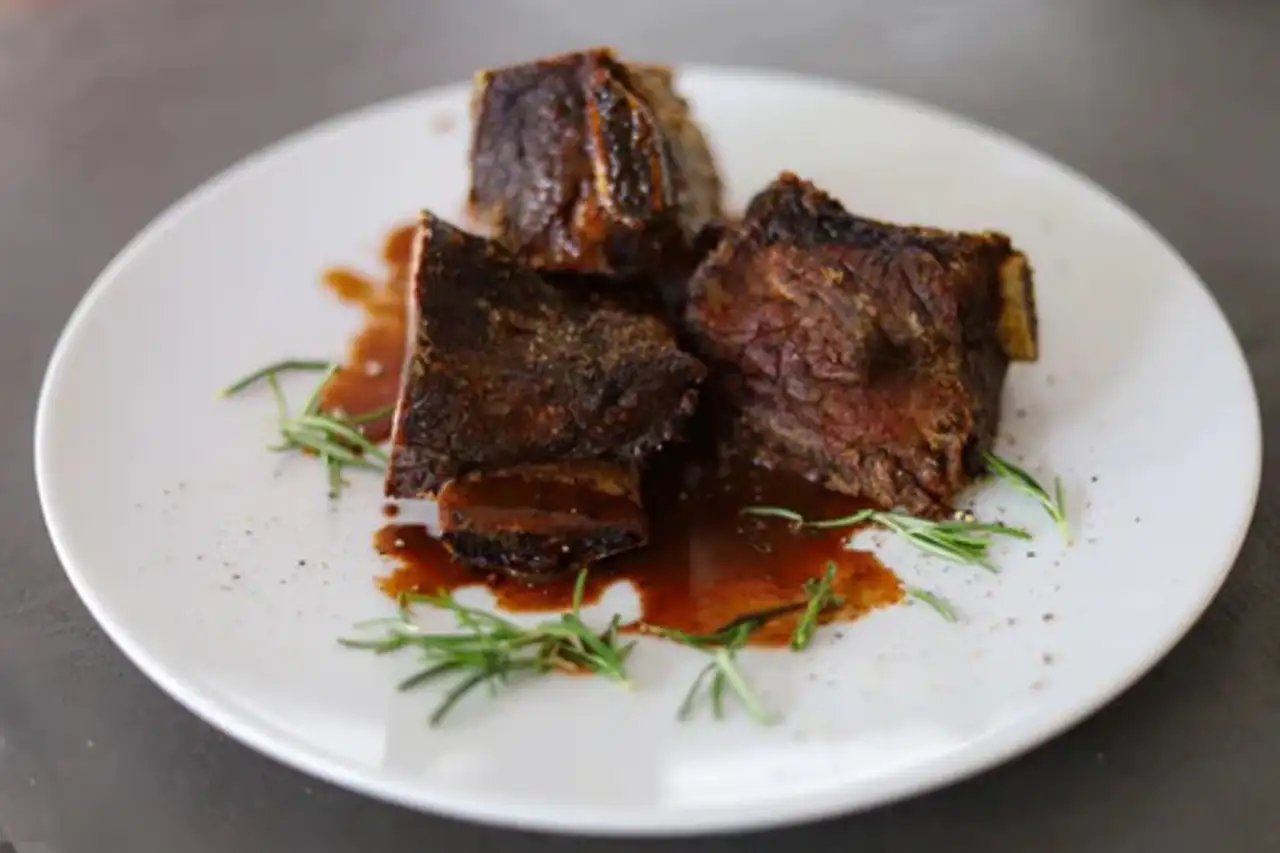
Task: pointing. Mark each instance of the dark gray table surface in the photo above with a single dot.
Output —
(110, 109)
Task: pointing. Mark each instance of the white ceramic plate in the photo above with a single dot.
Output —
(225, 574)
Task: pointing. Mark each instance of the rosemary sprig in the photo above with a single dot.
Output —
(937, 602)
(288, 365)
(964, 542)
(492, 651)
(1028, 485)
(821, 597)
(336, 440)
(722, 672)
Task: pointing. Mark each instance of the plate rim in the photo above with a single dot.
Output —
(1012, 743)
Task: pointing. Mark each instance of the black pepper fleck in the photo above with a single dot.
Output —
(1048, 617)
(1031, 554)
(1048, 659)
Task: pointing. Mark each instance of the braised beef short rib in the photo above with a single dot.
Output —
(506, 370)
(867, 356)
(583, 163)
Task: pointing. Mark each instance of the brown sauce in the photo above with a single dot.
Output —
(705, 565)
(369, 379)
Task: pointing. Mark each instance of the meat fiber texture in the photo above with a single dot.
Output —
(866, 356)
(582, 163)
(505, 369)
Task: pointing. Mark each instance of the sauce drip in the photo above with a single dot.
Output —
(369, 379)
(705, 564)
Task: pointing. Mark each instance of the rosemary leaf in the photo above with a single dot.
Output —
(773, 512)
(964, 542)
(938, 603)
(335, 475)
(282, 407)
(1021, 480)
(431, 672)
(456, 693)
(727, 664)
(854, 520)
(820, 598)
(335, 439)
(324, 446)
(271, 371)
(685, 711)
(717, 693)
(334, 428)
(491, 651)
(312, 406)
(374, 415)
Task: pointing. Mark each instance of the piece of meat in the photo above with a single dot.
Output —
(506, 369)
(866, 356)
(536, 522)
(583, 163)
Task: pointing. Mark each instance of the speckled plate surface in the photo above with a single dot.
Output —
(225, 574)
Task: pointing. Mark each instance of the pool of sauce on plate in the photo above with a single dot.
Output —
(705, 564)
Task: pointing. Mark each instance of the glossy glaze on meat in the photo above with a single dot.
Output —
(583, 163)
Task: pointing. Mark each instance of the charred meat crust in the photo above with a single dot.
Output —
(583, 163)
(506, 369)
(538, 521)
(864, 355)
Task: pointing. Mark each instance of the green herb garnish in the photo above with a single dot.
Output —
(775, 512)
(722, 672)
(492, 651)
(821, 597)
(964, 542)
(288, 365)
(1028, 485)
(937, 602)
(336, 440)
